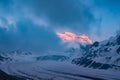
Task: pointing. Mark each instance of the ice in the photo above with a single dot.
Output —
(57, 70)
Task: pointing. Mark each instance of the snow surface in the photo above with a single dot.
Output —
(25, 64)
(48, 70)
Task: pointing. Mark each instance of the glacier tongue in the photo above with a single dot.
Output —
(53, 70)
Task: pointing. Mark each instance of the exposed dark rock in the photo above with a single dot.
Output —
(105, 66)
(107, 44)
(5, 76)
(118, 40)
(118, 50)
(96, 44)
(93, 64)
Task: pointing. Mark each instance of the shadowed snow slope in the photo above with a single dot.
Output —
(102, 55)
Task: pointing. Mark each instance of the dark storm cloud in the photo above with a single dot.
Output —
(5, 3)
(31, 24)
(111, 5)
(64, 12)
(37, 37)
(109, 11)
(20, 18)
(70, 14)
(5, 6)
(28, 37)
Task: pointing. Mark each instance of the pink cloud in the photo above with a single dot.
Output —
(72, 37)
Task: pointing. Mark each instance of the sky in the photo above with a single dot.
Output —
(32, 24)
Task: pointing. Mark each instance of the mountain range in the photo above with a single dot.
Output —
(104, 55)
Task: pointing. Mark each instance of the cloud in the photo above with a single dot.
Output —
(32, 24)
(7, 22)
(59, 14)
(38, 21)
(66, 13)
(29, 36)
(72, 37)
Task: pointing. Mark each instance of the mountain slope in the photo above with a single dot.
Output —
(102, 55)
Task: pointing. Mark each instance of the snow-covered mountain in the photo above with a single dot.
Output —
(15, 56)
(20, 56)
(92, 63)
(102, 55)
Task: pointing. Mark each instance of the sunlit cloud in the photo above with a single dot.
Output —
(72, 37)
